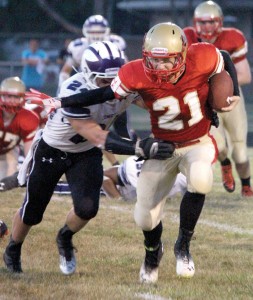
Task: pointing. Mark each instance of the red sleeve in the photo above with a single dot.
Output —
(28, 124)
(206, 57)
(233, 41)
(41, 114)
(191, 35)
(129, 79)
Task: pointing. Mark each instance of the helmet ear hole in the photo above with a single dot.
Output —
(101, 60)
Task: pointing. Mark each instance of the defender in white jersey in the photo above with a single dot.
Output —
(121, 181)
(71, 144)
(95, 28)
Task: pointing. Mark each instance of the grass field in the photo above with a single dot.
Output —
(110, 252)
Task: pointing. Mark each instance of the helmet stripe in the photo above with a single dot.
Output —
(109, 50)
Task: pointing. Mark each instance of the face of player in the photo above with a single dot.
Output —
(167, 68)
(208, 29)
(163, 63)
(101, 82)
(11, 103)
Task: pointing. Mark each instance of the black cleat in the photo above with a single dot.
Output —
(149, 268)
(12, 261)
(185, 265)
(67, 256)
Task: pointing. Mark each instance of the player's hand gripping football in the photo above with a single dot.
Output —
(232, 102)
(49, 103)
(3, 229)
(154, 148)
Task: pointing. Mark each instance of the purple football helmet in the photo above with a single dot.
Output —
(96, 28)
(101, 60)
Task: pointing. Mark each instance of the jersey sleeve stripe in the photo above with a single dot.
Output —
(31, 135)
(76, 116)
(220, 63)
(242, 51)
(119, 88)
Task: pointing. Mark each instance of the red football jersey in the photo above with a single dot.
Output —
(230, 39)
(22, 127)
(178, 111)
(41, 114)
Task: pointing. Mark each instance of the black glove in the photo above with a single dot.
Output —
(154, 148)
(3, 229)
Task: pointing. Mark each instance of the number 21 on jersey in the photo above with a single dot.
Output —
(167, 120)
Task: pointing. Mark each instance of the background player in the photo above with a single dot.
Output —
(208, 22)
(120, 181)
(17, 125)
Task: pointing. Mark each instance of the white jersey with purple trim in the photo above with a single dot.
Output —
(77, 47)
(129, 171)
(58, 132)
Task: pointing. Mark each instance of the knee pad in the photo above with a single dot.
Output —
(200, 178)
(86, 211)
(32, 220)
(142, 218)
(146, 219)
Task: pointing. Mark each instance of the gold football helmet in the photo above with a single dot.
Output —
(208, 11)
(12, 92)
(166, 42)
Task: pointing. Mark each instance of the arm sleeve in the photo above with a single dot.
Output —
(87, 98)
(118, 145)
(121, 125)
(230, 68)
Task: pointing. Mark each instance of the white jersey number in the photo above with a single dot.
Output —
(167, 121)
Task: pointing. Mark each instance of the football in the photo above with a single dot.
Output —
(220, 88)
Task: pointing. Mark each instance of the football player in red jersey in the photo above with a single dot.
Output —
(208, 21)
(173, 83)
(17, 124)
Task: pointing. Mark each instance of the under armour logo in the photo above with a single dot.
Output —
(50, 160)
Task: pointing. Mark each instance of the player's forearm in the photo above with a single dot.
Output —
(110, 188)
(117, 145)
(243, 72)
(87, 98)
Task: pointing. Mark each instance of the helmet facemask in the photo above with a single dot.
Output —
(213, 31)
(11, 103)
(167, 75)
